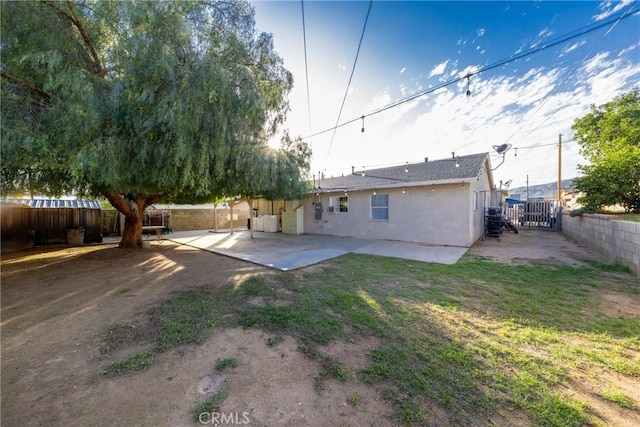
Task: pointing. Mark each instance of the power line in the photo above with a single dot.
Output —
(346, 92)
(554, 42)
(306, 67)
(567, 78)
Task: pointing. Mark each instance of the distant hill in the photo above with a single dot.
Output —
(547, 191)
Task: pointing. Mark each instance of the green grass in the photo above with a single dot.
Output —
(474, 339)
(616, 396)
(136, 363)
(178, 321)
(227, 362)
(182, 319)
(204, 409)
(120, 335)
(353, 400)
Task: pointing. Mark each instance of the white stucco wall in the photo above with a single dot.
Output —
(444, 216)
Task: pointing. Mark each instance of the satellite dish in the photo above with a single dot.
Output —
(507, 184)
(501, 149)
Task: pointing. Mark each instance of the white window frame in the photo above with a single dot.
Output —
(336, 203)
(379, 208)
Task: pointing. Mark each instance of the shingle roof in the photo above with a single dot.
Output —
(427, 172)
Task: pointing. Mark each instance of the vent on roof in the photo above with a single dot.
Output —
(426, 159)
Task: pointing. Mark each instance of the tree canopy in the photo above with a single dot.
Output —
(609, 137)
(144, 101)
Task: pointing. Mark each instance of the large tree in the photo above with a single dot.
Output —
(143, 101)
(609, 137)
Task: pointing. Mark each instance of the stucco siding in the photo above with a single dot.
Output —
(438, 215)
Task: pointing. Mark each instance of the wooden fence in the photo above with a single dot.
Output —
(23, 227)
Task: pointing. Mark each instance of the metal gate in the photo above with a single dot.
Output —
(534, 214)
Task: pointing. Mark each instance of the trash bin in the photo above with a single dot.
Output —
(75, 236)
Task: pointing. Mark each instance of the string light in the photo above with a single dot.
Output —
(362, 123)
(563, 39)
(468, 80)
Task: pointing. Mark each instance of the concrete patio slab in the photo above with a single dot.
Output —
(288, 252)
(414, 251)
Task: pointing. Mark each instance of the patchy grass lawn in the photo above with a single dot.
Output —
(478, 339)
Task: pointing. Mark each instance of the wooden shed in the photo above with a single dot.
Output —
(36, 222)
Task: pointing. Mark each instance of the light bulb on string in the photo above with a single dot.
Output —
(362, 130)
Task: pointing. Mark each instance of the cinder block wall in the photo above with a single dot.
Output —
(618, 241)
(202, 219)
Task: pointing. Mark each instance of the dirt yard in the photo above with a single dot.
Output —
(54, 314)
(55, 311)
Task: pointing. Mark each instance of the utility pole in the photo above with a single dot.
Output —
(559, 166)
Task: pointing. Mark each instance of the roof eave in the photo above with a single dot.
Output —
(395, 185)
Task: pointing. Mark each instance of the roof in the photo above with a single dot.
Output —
(411, 174)
(57, 203)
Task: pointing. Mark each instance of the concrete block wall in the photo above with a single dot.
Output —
(618, 241)
(202, 219)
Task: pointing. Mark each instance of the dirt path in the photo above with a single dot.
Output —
(534, 246)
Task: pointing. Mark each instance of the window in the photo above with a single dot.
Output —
(343, 204)
(339, 204)
(380, 207)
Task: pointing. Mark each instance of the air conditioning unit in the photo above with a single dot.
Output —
(331, 209)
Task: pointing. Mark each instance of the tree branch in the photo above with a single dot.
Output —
(26, 84)
(75, 21)
(96, 59)
(118, 202)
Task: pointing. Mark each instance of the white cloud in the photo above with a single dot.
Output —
(480, 32)
(545, 32)
(571, 48)
(596, 62)
(609, 7)
(342, 66)
(439, 69)
(629, 49)
(524, 110)
(403, 70)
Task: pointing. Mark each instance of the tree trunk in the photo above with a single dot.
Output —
(132, 207)
(132, 233)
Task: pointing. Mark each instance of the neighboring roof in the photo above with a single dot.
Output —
(57, 203)
(411, 174)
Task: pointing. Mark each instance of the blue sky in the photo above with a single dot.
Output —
(412, 47)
